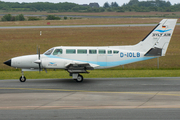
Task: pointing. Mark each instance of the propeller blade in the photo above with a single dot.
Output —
(39, 67)
(37, 50)
(39, 53)
(39, 58)
(45, 70)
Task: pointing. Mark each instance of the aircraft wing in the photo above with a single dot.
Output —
(79, 67)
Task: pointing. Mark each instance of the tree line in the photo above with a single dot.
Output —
(132, 5)
(143, 6)
(20, 17)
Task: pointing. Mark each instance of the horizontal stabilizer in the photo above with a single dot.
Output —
(154, 52)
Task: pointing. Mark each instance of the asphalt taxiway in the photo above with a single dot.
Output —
(98, 96)
(78, 26)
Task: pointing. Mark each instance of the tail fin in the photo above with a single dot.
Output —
(157, 41)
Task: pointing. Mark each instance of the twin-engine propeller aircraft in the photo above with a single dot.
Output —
(78, 60)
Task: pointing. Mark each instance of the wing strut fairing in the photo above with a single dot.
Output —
(79, 67)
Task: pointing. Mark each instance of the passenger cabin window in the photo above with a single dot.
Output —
(49, 51)
(102, 51)
(109, 51)
(92, 51)
(57, 52)
(82, 51)
(115, 51)
(70, 51)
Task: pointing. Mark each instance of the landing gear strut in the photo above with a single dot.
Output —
(75, 69)
(22, 78)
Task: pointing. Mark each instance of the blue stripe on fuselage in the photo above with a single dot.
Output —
(108, 64)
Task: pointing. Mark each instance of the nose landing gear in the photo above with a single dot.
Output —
(22, 78)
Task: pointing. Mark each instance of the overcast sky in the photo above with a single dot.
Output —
(101, 2)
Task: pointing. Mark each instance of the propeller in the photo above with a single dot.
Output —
(38, 61)
(39, 58)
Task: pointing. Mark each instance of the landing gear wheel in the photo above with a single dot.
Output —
(22, 79)
(79, 78)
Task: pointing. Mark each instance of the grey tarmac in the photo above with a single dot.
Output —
(98, 98)
(95, 98)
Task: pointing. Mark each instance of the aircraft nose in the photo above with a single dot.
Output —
(8, 62)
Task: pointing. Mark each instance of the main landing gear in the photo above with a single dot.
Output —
(77, 77)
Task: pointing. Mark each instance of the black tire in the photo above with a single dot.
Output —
(79, 78)
(22, 79)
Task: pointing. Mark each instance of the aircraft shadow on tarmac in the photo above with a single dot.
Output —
(62, 81)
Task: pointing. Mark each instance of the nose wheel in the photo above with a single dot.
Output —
(22, 79)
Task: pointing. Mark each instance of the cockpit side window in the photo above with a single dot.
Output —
(49, 51)
(57, 52)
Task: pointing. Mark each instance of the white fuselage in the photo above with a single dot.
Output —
(60, 57)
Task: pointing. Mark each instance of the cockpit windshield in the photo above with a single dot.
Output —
(49, 51)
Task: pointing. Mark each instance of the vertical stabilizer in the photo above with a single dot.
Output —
(157, 41)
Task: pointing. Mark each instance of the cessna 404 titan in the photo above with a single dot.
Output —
(78, 60)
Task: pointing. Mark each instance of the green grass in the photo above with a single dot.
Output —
(107, 73)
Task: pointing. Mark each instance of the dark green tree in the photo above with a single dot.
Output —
(65, 18)
(133, 2)
(21, 17)
(120, 9)
(7, 17)
(52, 17)
(114, 4)
(33, 18)
(106, 5)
